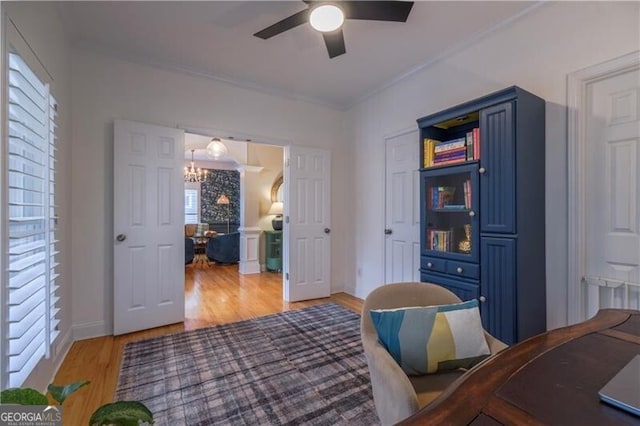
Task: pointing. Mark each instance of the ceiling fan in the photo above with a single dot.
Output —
(328, 17)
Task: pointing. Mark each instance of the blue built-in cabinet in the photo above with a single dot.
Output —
(482, 212)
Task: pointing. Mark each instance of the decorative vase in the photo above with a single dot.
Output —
(464, 246)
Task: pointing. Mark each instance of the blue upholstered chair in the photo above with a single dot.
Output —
(189, 250)
(224, 248)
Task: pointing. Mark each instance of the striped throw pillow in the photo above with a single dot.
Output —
(428, 339)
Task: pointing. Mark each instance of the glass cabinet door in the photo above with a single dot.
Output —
(449, 209)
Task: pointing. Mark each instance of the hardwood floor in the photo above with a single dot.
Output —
(215, 294)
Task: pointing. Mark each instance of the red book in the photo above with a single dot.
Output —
(476, 143)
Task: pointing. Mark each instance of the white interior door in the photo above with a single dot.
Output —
(307, 224)
(148, 226)
(402, 208)
(612, 210)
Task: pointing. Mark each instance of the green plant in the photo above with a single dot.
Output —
(119, 413)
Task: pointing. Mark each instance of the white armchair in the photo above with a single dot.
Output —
(396, 395)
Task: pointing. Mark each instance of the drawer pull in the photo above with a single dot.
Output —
(429, 265)
(459, 270)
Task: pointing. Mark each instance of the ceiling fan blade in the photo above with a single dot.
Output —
(397, 11)
(335, 43)
(292, 21)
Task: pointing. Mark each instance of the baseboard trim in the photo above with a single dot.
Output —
(87, 330)
(250, 267)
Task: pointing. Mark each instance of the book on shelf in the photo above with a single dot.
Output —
(449, 145)
(439, 239)
(429, 151)
(450, 161)
(467, 193)
(476, 143)
(441, 196)
(456, 151)
(470, 146)
(450, 156)
(454, 207)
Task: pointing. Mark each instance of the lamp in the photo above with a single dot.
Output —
(216, 148)
(277, 209)
(326, 18)
(191, 174)
(223, 199)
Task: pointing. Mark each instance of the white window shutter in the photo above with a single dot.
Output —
(32, 300)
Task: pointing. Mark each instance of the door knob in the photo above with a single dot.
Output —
(388, 231)
(482, 170)
(327, 230)
(121, 237)
(483, 299)
(472, 213)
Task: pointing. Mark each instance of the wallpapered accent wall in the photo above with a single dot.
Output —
(220, 182)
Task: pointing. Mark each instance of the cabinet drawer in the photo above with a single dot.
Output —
(432, 264)
(464, 290)
(463, 269)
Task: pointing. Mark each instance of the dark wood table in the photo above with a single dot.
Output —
(552, 378)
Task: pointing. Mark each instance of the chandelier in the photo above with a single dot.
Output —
(191, 174)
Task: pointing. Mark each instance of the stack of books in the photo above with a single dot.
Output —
(453, 151)
(450, 152)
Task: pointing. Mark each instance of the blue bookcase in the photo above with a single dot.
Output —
(482, 210)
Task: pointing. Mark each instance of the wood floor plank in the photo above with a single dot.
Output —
(214, 294)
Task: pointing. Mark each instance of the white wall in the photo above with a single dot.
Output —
(271, 159)
(106, 88)
(536, 53)
(42, 29)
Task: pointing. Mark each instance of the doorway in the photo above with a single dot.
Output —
(604, 183)
(230, 211)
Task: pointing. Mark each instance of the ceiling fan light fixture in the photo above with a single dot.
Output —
(326, 18)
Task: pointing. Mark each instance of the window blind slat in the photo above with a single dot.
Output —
(19, 344)
(18, 377)
(18, 328)
(19, 312)
(20, 295)
(34, 348)
(22, 264)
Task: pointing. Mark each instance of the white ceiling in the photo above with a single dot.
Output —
(216, 39)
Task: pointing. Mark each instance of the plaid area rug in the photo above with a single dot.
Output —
(297, 367)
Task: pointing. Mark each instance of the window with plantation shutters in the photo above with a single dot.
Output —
(191, 206)
(32, 267)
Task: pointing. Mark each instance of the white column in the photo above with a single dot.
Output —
(249, 215)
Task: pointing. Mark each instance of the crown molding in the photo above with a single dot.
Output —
(140, 59)
(470, 41)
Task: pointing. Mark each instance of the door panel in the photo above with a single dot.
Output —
(402, 209)
(307, 224)
(497, 157)
(612, 183)
(498, 276)
(148, 191)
